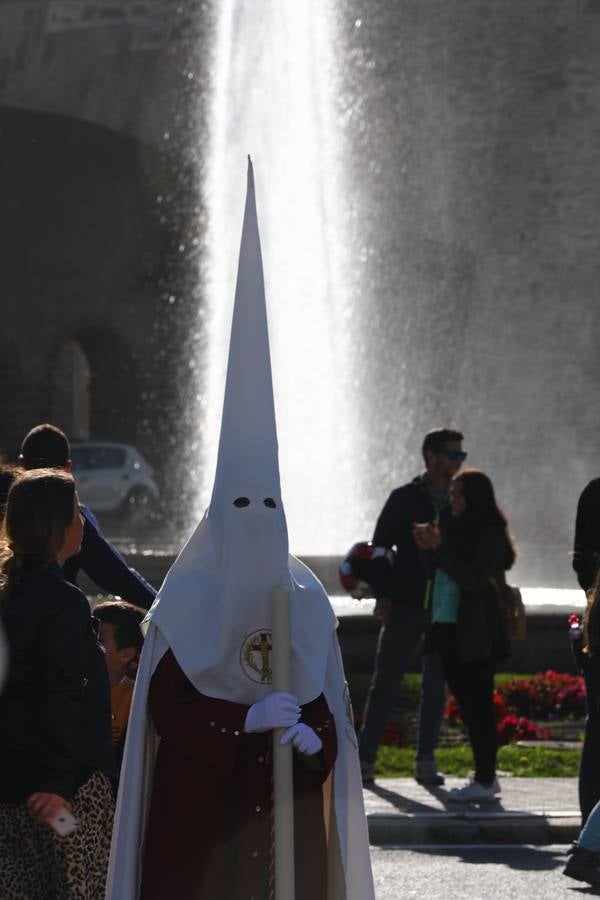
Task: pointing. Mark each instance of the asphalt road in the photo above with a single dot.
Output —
(500, 872)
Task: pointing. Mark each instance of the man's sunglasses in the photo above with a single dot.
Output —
(455, 455)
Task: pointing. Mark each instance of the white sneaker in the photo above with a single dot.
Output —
(475, 791)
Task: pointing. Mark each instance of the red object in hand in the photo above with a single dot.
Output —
(365, 551)
(574, 626)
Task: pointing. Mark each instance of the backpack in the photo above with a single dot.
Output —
(512, 608)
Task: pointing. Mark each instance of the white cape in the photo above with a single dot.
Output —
(350, 875)
(214, 607)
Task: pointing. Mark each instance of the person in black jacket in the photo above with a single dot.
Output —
(46, 446)
(586, 549)
(56, 755)
(470, 553)
(584, 862)
(404, 606)
(586, 563)
(586, 651)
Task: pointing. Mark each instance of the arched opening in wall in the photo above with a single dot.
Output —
(114, 401)
(101, 262)
(71, 375)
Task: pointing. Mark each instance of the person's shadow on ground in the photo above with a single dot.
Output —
(408, 804)
(523, 858)
(402, 803)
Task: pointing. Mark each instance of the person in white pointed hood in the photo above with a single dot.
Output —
(194, 812)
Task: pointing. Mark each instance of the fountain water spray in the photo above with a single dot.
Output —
(271, 99)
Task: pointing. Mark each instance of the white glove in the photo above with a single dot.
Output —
(277, 710)
(304, 739)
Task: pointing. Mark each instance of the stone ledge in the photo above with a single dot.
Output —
(473, 828)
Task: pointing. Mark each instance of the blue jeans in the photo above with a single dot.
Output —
(398, 642)
(589, 837)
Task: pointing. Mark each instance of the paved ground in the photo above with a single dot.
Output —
(529, 811)
(474, 873)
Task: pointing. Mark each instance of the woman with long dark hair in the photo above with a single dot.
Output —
(55, 737)
(469, 627)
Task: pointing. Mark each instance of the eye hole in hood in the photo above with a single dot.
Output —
(268, 501)
(241, 501)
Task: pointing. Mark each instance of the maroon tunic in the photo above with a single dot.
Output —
(208, 834)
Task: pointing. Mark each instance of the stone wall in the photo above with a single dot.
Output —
(92, 224)
(128, 66)
(102, 215)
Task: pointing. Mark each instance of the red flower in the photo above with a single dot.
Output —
(513, 729)
(499, 706)
(453, 709)
(547, 695)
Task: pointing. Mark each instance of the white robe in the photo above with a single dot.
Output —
(350, 875)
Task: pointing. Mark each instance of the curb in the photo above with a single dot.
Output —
(474, 827)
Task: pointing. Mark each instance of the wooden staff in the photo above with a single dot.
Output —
(283, 776)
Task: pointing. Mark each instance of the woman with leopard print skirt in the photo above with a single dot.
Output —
(55, 729)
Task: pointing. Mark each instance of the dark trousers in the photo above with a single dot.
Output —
(589, 768)
(472, 684)
(399, 640)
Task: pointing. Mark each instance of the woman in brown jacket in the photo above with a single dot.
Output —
(469, 629)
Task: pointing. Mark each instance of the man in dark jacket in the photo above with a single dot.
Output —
(404, 606)
(46, 446)
(586, 551)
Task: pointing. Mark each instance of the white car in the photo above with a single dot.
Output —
(114, 478)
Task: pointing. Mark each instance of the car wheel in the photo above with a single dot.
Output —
(138, 506)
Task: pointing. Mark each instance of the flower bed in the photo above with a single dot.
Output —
(547, 697)
(518, 728)
(546, 706)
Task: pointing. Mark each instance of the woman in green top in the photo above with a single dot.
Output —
(469, 630)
